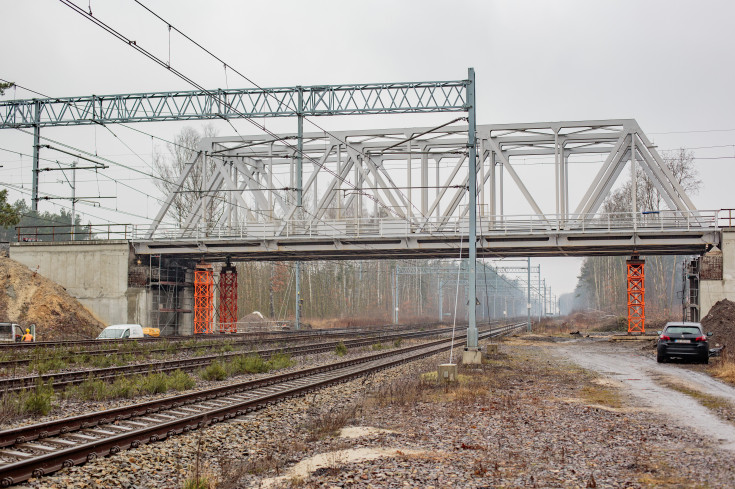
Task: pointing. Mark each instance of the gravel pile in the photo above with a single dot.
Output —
(522, 421)
(720, 320)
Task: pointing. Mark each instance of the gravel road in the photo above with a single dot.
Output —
(640, 376)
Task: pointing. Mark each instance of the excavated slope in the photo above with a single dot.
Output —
(27, 297)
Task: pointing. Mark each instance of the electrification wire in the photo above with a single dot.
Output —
(215, 96)
(289, 104)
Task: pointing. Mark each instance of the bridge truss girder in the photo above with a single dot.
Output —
(350, 191)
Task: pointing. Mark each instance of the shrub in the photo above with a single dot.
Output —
(279, 360)
(215, 371)
(91, 389)
(397, 343)
(180, 381)
(340, 349)
(154, 383)
(40, 400)
(377, 347)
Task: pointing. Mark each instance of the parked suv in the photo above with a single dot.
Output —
(683, 340)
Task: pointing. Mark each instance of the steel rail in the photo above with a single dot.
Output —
(184, 414)
(63, 379)
(207, 337)
(235, 342)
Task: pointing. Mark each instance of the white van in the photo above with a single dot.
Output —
(122, 331)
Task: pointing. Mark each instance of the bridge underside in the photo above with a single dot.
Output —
(535, 245)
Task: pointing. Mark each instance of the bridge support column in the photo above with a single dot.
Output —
(636, 296)
(228, 300)
(203, 298)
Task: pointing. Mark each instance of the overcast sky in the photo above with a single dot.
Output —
(667, 64)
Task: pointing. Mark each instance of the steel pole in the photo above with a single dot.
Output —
(471, 143)
(36, 148)
(528, 291)
(539, 293)
(299, 194)
(73, 198)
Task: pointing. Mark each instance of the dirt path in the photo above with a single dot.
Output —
(640, 376)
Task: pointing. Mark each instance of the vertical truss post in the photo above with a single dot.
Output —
(203, 298)
(36, 148)
(472, 145)
(636, 296)
(228, 300)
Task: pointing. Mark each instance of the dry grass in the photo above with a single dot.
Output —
(715, 403)
(601, 395)
(724, 369)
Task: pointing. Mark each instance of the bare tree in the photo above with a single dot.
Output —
(182, 151)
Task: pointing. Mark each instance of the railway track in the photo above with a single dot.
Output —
(131, 348)
(22, 346)
(61, 380)
(41, 449)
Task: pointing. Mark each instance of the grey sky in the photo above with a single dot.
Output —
(667, 64)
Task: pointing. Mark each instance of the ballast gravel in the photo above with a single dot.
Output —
(526, 419)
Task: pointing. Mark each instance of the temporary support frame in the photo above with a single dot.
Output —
(636, 296)
(203, 299)
(228, 300)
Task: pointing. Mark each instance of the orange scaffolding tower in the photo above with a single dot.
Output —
(636, 296)
(228, 300)
(203, 298)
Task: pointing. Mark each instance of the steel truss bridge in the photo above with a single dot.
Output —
(342, 195)
(402, 193)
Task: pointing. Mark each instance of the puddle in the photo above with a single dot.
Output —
(335, 459)
(358, 431)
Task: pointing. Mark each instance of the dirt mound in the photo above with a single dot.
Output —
(255, 322)
(720, 320)
(27, 298)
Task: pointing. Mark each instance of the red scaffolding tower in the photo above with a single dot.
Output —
(636, 296)
(203, 298)
(228, 300)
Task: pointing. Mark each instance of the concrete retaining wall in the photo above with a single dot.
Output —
(711, 291)
(94, 272)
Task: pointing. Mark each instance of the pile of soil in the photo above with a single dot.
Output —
(255, 322)
(720, 320)
(27, 298)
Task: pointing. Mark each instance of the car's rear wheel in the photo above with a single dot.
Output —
(660, 358)
(705, 359)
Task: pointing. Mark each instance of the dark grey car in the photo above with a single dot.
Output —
(683, 340)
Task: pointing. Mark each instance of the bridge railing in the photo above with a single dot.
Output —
(80, 232)
(387, 227)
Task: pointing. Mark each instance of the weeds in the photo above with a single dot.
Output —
(377, 347)
(278, 361)
(126, 387)
(215, 371)
(397, 343)
(40, 400)
(340, 350)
